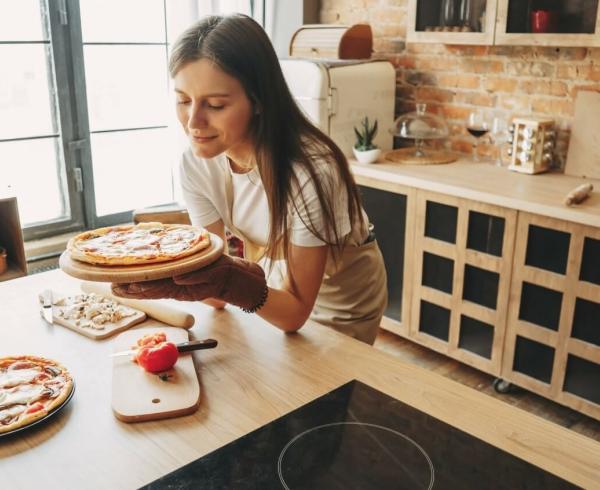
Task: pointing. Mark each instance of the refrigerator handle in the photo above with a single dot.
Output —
(332, 101)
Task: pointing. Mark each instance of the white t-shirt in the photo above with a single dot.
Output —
(348, 304)
(203, 188)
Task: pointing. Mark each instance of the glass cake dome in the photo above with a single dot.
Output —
(420, 126)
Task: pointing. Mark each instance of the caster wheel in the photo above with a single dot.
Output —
(502, 386)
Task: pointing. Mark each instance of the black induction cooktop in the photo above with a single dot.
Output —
(356, 437)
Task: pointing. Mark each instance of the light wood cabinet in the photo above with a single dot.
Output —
(577, 23)
(426, 18)
(505, 22)
(495, 272)
(553, 331)
(391, 213)
(461, 276)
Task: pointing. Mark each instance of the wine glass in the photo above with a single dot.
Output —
(499, 136)
(478, 126)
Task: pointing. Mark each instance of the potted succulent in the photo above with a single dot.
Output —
(365, 150)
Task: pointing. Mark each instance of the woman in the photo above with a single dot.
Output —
(259, 168)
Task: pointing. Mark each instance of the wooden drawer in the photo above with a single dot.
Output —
(332, 42)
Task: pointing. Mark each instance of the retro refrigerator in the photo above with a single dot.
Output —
(337, 95)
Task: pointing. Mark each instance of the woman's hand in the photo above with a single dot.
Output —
(233, 280)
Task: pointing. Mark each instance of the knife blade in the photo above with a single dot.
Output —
(181, 347)
(47, 306)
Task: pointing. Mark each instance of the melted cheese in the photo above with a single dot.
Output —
(14, 377)
(21, 395)
(9, 414)
(143, 242)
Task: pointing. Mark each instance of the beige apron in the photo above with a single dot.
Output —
(353, 295)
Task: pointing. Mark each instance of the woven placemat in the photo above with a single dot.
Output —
(432, 157)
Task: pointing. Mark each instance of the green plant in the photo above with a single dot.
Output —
(365, 135)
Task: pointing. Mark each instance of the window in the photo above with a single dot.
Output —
(87, 130)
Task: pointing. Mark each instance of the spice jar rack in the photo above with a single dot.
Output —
(532, 145)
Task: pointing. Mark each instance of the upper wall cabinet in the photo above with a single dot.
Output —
(451, 21)
(505, 22)
(548, 23)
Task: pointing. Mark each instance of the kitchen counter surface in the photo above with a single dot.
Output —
(541, 194)
(255, 375)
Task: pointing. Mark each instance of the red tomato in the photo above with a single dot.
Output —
(157, 358)
(151, 339)
(34, 408)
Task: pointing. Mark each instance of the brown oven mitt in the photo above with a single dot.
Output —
(231, 279)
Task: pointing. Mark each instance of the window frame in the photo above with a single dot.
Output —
(66, 50)
(65, 60)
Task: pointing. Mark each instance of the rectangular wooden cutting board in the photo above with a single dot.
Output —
(583, 159)
(138, 395)
(109, 329)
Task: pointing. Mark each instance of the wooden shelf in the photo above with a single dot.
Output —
(11, 238)
(12, 272)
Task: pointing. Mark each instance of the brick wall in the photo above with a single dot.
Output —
(452, 80)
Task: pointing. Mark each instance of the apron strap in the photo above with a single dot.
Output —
(252, 251)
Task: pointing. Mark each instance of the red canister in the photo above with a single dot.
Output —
(544, 21)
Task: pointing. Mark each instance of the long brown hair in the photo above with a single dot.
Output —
(283, 137)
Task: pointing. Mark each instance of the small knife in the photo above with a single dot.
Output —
(181, 347)
(47, 306)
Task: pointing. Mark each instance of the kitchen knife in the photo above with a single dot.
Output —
(181, 347)
(47, 306)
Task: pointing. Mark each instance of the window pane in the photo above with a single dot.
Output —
(21, 20)
(30, 170)
(24, 92)
(126, 86)
(224, 7)
(132, 169)
(119, 21)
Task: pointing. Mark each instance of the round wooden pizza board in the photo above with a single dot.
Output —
(145, 272)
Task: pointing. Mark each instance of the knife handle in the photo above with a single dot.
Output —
(196, 345)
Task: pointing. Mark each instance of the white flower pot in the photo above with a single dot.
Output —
(368, 156)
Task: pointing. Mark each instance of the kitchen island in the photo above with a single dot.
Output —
(255, 375)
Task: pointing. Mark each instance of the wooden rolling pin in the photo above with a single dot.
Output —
(156, 309)
(579, 194)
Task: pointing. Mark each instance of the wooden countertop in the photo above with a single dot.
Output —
(484, 182)
(255, 375)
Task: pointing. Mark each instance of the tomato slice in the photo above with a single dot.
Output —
(151, 339)
(36, 407)
(157, 358)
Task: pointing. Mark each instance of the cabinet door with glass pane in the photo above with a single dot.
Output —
(461, 276)
(451, 21)
(553, 335)
(548, 23)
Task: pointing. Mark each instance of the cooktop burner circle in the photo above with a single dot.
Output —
(354, 455)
